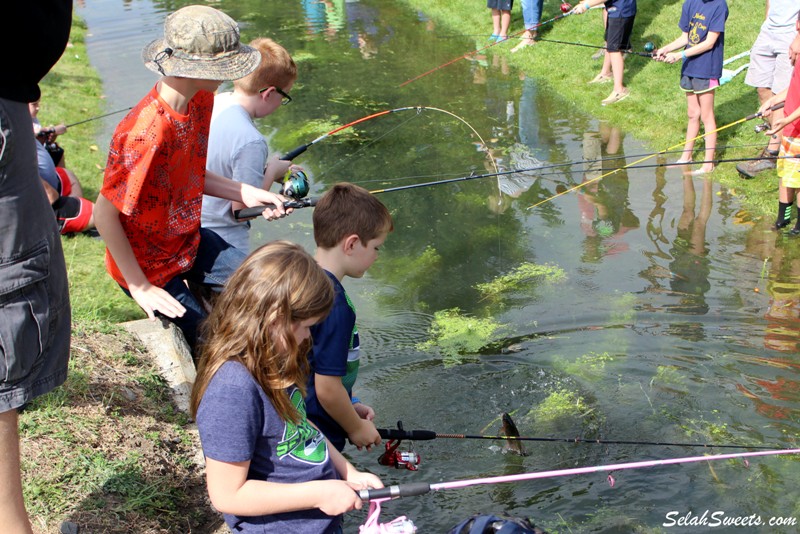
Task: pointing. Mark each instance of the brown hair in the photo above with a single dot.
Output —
(347, 209)
(276, 68)
(277, 286)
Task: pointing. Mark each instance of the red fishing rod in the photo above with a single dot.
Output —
(472, 53)
(419, 109)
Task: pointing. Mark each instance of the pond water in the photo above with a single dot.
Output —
(653, 308)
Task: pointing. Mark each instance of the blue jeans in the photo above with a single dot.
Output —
(532, 13)
(215, 262)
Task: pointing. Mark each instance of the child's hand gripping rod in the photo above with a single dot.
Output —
(395, 492)
(255, 211)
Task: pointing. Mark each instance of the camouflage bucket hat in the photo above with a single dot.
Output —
(201, 42)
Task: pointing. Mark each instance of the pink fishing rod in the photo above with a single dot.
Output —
(420, 488)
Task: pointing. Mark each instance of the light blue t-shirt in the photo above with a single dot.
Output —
(236, 150)
(782, 16)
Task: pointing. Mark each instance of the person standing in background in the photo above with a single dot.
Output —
(34, 298)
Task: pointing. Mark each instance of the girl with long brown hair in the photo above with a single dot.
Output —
(267, 468)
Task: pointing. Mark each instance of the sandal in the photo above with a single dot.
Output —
(615, 97)
(601, 79)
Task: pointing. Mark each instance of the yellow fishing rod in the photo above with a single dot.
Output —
(618, 169)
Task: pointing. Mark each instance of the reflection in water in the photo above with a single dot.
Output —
(783, 316)
(690, 265)
(605, 213)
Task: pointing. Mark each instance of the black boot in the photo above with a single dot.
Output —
(784, 215)
(796, 229)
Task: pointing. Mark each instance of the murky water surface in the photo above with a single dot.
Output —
(676, 319)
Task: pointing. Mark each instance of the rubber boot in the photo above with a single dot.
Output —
(784, 215)
(796, 229)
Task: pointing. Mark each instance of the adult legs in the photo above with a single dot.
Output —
(13, 516)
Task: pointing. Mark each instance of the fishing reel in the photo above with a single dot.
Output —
(399, 459)
(295, 185)
(761, 128)
(566, 7)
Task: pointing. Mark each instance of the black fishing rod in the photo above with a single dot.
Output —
(255, 211)
(643, 54)
(98, 117)
(427, 435)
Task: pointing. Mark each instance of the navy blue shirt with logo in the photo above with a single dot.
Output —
(335, 352)
(698, 17)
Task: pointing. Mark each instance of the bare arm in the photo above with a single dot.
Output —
(219, 186)
(232, 493)
(151, 298)
(52, 194)
(334, 399)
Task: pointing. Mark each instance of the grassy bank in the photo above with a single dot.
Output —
(108, 450)
(656, 110)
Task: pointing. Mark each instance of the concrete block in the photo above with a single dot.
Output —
(165, 343)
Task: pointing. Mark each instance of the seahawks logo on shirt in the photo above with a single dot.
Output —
(302, 441)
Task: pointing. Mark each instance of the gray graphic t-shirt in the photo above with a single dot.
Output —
(237, 423)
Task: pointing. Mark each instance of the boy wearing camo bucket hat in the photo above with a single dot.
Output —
(148, 210)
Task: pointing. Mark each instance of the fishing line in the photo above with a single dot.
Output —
(247, 213)
(729, 125)
(421, 488)
(302, 148)
(473, 52)
(362, 148)
(427, 435)
(98, 117)
(643, 54)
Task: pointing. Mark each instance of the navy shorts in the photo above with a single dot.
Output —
(34, 299)
(618, 33)
(502, 5)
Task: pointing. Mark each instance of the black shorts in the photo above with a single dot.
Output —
(618, 33)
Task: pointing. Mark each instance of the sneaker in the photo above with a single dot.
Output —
(615, 97)
(749, 169)
(601, 79)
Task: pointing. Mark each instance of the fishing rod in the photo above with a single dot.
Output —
(729, 125)
(98, 117)
(255, 211)
(648, 54)
(421, 488)
(474, 52)
(419, 109)
(427, 435)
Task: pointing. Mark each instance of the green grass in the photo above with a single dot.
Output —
(656, 110)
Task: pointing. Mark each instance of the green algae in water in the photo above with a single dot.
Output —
(622, 308)
(669, 378)
(559, 405)
(520, 278)
(589, 367)
(454, 334)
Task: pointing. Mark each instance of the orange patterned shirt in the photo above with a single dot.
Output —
(155, 177)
